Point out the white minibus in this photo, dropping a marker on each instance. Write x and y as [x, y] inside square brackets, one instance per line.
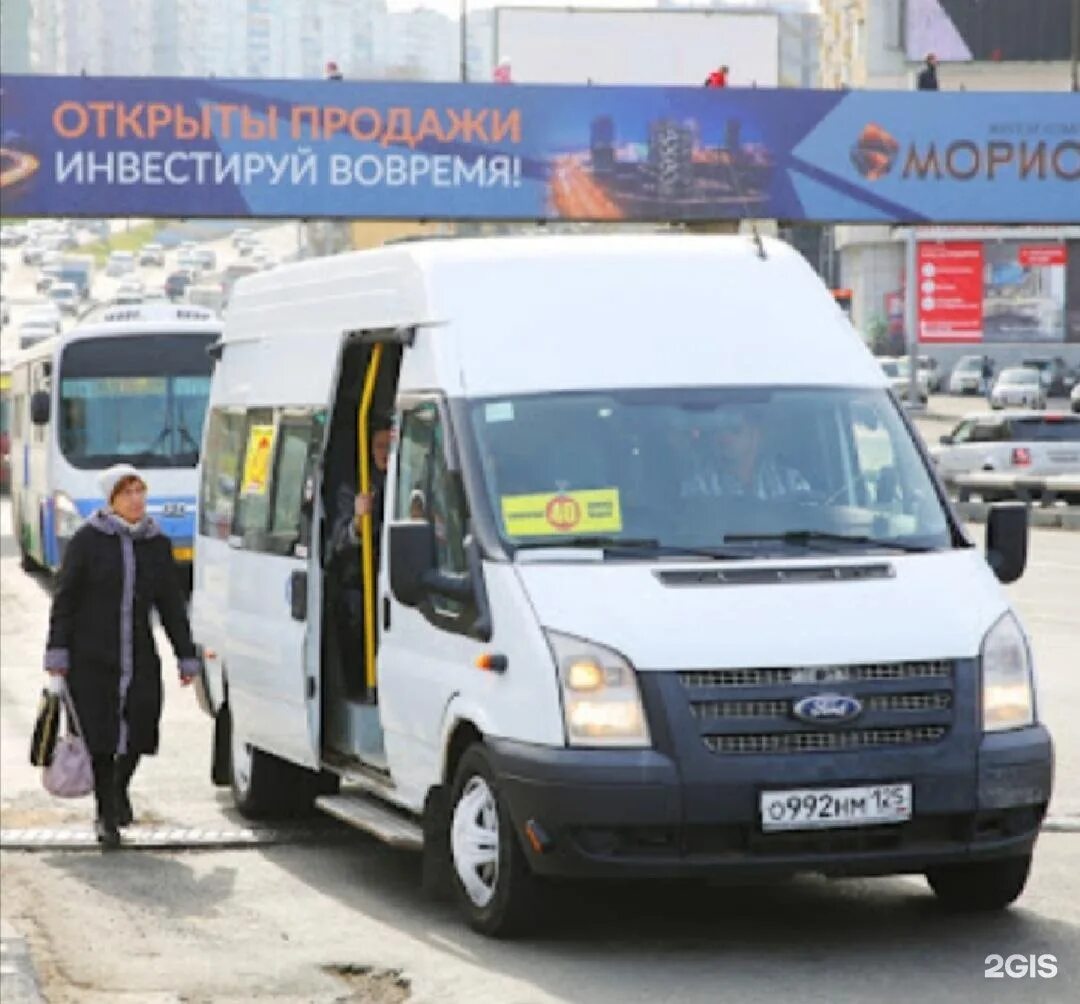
[660, 580]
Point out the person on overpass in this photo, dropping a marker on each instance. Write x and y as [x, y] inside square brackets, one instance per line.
[718, 78]
[927, 78]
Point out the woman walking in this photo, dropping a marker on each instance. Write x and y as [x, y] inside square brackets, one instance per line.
[118, 567]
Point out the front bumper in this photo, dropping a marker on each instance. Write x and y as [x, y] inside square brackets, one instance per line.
[642, 813]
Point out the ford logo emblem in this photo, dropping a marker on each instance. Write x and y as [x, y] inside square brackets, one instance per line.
[827, 709]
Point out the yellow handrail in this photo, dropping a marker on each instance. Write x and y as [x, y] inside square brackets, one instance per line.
[366, 543]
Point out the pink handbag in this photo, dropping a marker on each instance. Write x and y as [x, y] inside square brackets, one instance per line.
[71, 773]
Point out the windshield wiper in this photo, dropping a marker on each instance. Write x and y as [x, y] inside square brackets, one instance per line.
[633, 546]
[186, 434]
[808, 538]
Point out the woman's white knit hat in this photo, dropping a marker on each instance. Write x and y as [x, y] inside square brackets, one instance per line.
[110, 478]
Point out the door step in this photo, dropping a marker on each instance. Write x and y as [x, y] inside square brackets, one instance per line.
[365, 813]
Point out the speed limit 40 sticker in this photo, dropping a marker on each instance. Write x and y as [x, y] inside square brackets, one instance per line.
[546, 514]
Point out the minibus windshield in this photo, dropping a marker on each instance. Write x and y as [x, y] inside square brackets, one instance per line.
[140, 399]
[712, 470]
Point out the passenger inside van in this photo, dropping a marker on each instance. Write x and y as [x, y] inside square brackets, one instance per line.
[345, 559]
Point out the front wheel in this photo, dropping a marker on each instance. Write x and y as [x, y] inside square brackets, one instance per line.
[493, 884]
[984, 886]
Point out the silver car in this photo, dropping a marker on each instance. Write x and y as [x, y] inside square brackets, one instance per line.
[1018, 387]
[1016, 442]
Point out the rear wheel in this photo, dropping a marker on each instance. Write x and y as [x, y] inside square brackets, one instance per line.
[493, 885]
[984, 886]
[265, 786]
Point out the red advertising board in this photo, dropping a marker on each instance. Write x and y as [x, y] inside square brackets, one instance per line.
[1034, 255]
[950, 276]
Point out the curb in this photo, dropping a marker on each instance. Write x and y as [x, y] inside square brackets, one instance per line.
[18, 981]
[1061, 824]
[166, 838]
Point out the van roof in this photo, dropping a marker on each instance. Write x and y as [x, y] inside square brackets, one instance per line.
[533, 313]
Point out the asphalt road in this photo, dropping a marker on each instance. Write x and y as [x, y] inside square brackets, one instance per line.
[336, 916]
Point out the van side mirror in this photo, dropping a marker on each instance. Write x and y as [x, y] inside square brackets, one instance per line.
[1007, 540]
[412, 557]
[946, 440]
[39, 407]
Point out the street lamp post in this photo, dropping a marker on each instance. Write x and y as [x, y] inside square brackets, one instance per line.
[1074, 47]
[464, 41]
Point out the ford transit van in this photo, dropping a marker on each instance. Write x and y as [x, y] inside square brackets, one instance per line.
[659, 580]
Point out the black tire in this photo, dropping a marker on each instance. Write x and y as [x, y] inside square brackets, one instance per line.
[511, 886]
[220, 753]
[265, 786]
[984, 886]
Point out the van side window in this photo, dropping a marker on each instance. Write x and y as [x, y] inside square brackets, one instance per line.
[220, 473]
[253, 502]
[426, 490]
[299, 439]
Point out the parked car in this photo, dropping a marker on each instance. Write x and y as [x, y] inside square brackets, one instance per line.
[31, 253]
[5, 310]
[32, 332]
[46, 313]
[1054, 375]
[49, 275]
[242, 234]
[1027, 441]
[1074, 398]
[66, 296]
[206, 259]
[152, 254]
[129, 292]
[11, 237]
[934, 376]
[177, 282]
[120, 263]
[1018, 387]
[968, 376]
[898, 371]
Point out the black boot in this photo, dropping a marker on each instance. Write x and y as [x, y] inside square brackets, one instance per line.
[105, 826]
[123, 771]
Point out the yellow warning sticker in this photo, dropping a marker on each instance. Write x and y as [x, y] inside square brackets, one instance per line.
[550, 513]
[257, 460]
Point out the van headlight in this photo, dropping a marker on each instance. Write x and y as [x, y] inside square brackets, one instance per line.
[68, 519]
[1008, 690]
[600, 695]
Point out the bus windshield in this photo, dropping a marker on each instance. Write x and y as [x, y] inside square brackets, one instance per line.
[138, 399]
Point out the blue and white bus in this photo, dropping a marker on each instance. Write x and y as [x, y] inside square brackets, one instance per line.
[129, 384]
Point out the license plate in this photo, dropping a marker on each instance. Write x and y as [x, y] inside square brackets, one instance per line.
[816, 808]
[183, 553]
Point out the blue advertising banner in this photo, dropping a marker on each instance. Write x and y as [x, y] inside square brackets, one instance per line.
[175, 147]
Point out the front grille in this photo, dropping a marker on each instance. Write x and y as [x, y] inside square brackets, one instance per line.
[753, 710]
[782, 709]
[941, 669]
[814, 742]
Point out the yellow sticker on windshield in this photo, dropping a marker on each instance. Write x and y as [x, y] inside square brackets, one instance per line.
[257, 460]
[550, 513]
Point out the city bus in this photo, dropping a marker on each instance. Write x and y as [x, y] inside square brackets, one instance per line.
[130, 384]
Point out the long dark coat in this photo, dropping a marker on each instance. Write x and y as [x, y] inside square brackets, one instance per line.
[85, 632]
